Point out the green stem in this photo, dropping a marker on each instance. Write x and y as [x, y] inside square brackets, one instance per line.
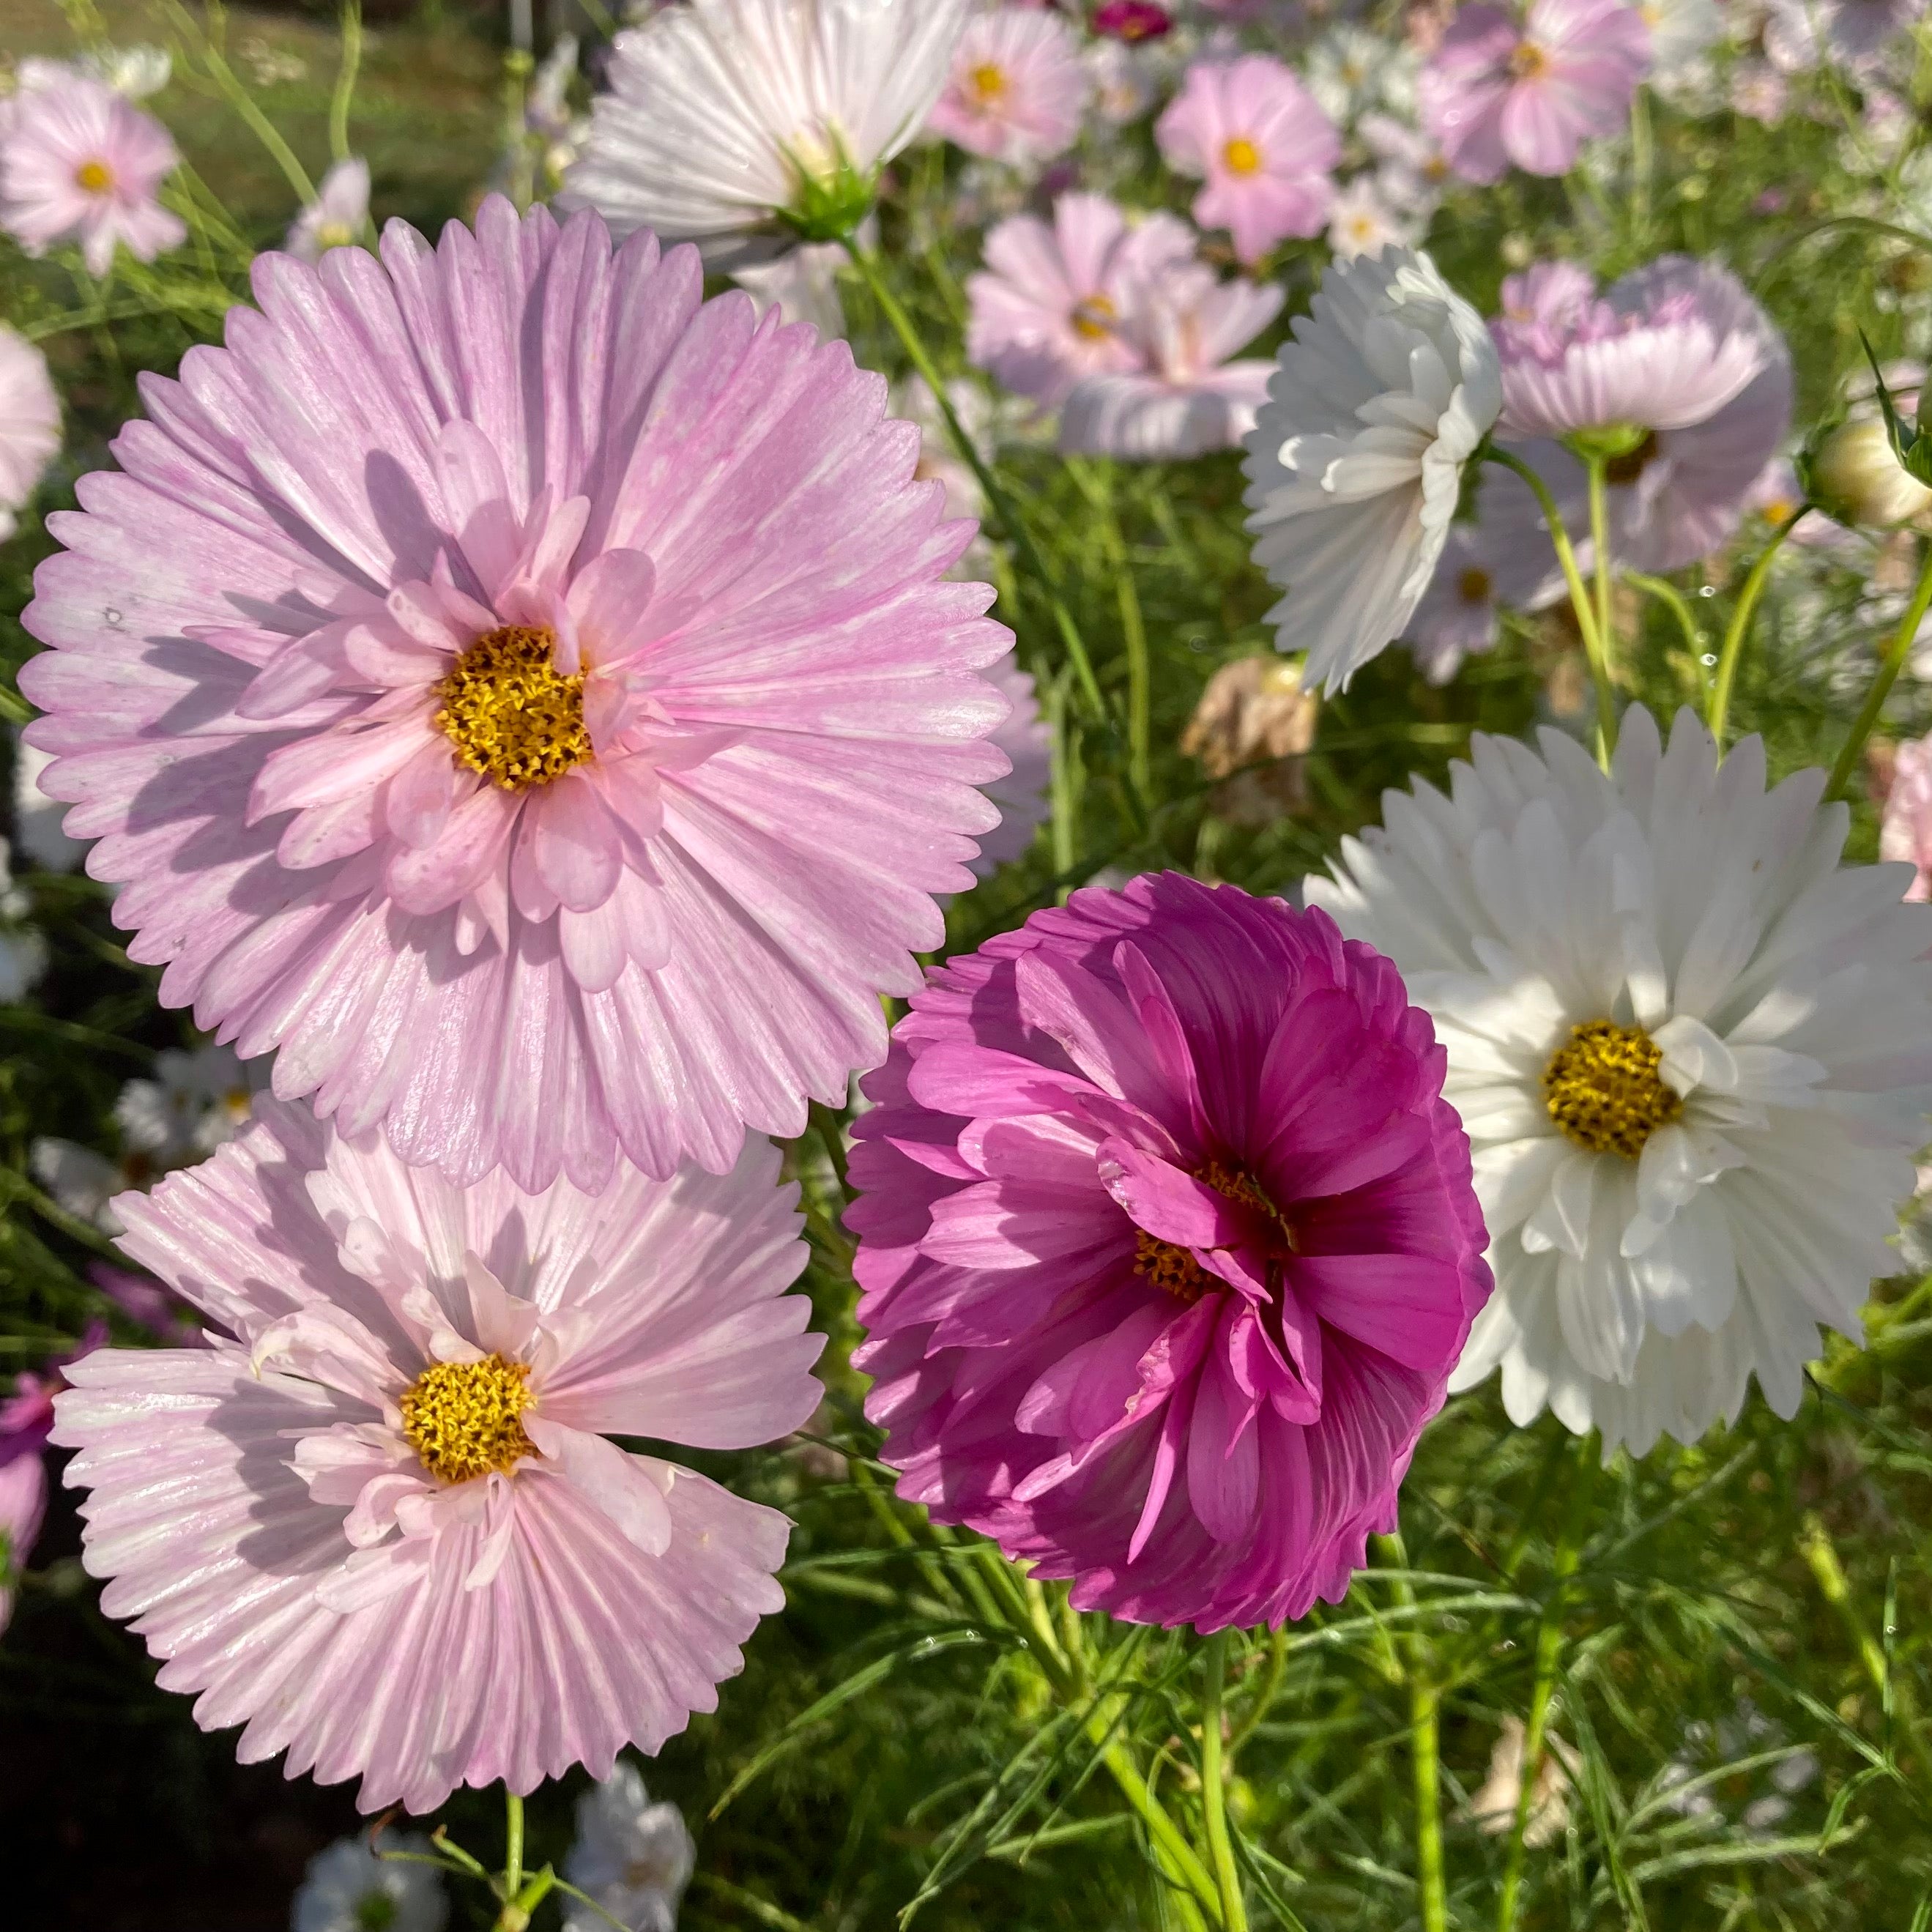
[1214, 1792]
[345, 81]
[238, 98]
[1740, 625]
[1133, 632]
[1599, 543]
[1821, 1555]
[1176, 1854]
[1011, 521]
[513, 1846]
[1265, 1696]
[1425, 1703]
[1888, 674]
[1580, 594]
[1549, 1651]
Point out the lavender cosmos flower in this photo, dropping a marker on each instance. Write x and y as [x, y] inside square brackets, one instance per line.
[1263, 144]
[1169, 1244]
[1675, 372]
[339, 214]
[1017, 88]
[385, 1526]
[30, 424]
[79, 163]
[1499, 93]
[1021, 795]
[525, 694]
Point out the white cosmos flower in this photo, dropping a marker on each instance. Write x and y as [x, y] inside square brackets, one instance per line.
[729, 117]
[633, 1857]
[348, 1889]
[1356, 461]
[1692, 1052]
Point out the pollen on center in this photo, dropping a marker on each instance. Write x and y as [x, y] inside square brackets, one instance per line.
[1603, 1090]
[463, 1418]
[1241, 156]
[511, 714]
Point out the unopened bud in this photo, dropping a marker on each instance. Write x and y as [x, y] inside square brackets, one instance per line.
[1856, 477]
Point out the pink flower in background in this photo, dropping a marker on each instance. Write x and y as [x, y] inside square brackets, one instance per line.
[1017, 89]
[1185, 397]
[1167, 1244]
[1132, 19]
[26, 1420]
[1265, 145]
[1799, 34]
[30, 424]
[1905, 828]
[1021, 794]
[529, 697]
[1758, 92]
[1497, 93]
[338, 216]
[79, 163]
[1048, 308]
[386, 1526]
[1677, 355]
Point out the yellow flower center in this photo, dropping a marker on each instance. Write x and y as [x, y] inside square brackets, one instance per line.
[460, 1418]
[1473, 586]
[1528, 60]
[512, 716]
[1093, 319]
[1602, 1090]
[1175, 1268]
[94, 177]
[1241, 156]
[334, 235]
[988, 82]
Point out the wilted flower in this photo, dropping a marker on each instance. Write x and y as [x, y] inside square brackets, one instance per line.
[743, 123]
[339, 214]
[30, 424]
[1254, 721]
[1492, 1807]
[1265, 145]
[1017, 87]
[78, 164]
[350, 1887]
[633, 1857]
[640, 766]
[1167, 1244]
[1498, 92]
[1355, 465]
[470, 1581]
[1694, 1055]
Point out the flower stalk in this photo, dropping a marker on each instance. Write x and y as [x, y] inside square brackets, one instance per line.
[1889, 666]
[1739, 628]
[1214, 1792]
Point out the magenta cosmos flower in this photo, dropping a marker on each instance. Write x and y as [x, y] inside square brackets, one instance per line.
[79, 163]
[1169, 1245]
[1498, 92]
[1678, 365]
[1017, 88]
[26, 1419]
[1263, 144]
[384, 1526]
[527, 695]
[1051, 304]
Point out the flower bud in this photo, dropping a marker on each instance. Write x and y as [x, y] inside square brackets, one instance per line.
[1856, 477]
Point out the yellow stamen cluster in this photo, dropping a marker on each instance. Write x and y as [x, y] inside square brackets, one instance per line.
[1527, 60]
[988, 82]
[512, 716]
[1093, 319]
[1603, 1089]
[1241, 156]
[461, 1417]
[1175, 1268]
[94, 177]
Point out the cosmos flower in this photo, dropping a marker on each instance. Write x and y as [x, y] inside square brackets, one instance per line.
[136, 71]
[1185, 397]
[1167, 1243]
[1674, 373]
[1123, 81]
[1048, 308]
[745, 124]
[1352, 71]
[30, 424]
[26, 1418]
[1263, 145]
[1693, 1054]
[37, 818]
[1905, 825]
[385, 1526]
[339, 214]
[196, 1102]
[533, 806]
[1412, 171]
[1361, 223]
[1859, 480]
[633, 1857]
[1355, 465]
[1498, 93]
[1801, 35]
[1017, 88]
[1021, 795]
[1132, 20]
[79, 164]
[802, 284]
[350, 1887]
[23, 952]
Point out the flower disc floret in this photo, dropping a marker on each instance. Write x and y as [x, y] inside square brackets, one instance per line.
[513, 716]
[461, 1418]
[1603, 1090]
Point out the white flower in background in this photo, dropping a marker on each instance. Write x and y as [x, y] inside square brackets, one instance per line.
[633, 1857]
[940, 461]
[83, 1182]
[1693, 1053]
[338, 216]
[1356, 462]
[348, 1889]
[1492, 1808]
[1361, 223]
[30, 424]
[727, 117]
[37, 818]
[23, 952]
[1700, 1782]
[196, 1102]
[135, 72]
[1412, 171]
[1123, 80]
[803, 286]
[1858, 480]
[1351, 71]
[1681, 33]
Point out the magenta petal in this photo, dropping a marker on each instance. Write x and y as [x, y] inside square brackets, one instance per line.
[1168, 1203]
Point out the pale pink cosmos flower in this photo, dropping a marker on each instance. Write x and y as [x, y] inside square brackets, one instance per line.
[1185, 397]
[1499, 93]
[1361, 222]
[1021, 795]
[1263, 145]
[78, 163]
[1017, 89]
[339, 214]
[526, 695]
[30, 424]
[385, 1526]
[1049, 306]
[1905, 828]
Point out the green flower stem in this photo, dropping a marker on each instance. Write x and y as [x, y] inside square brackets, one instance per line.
[1194, 1888]
[1548, 1650]
[238, 98]
[1015, 526]
[1600, 542]
[1821, 1555]
[1264, 1695]
[513, 1843]
[1098, 484]
[1888, 674]
[1213, 1791]
[1740, 625]
[1579, 598]
[1415, 1665]
[339, 102]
